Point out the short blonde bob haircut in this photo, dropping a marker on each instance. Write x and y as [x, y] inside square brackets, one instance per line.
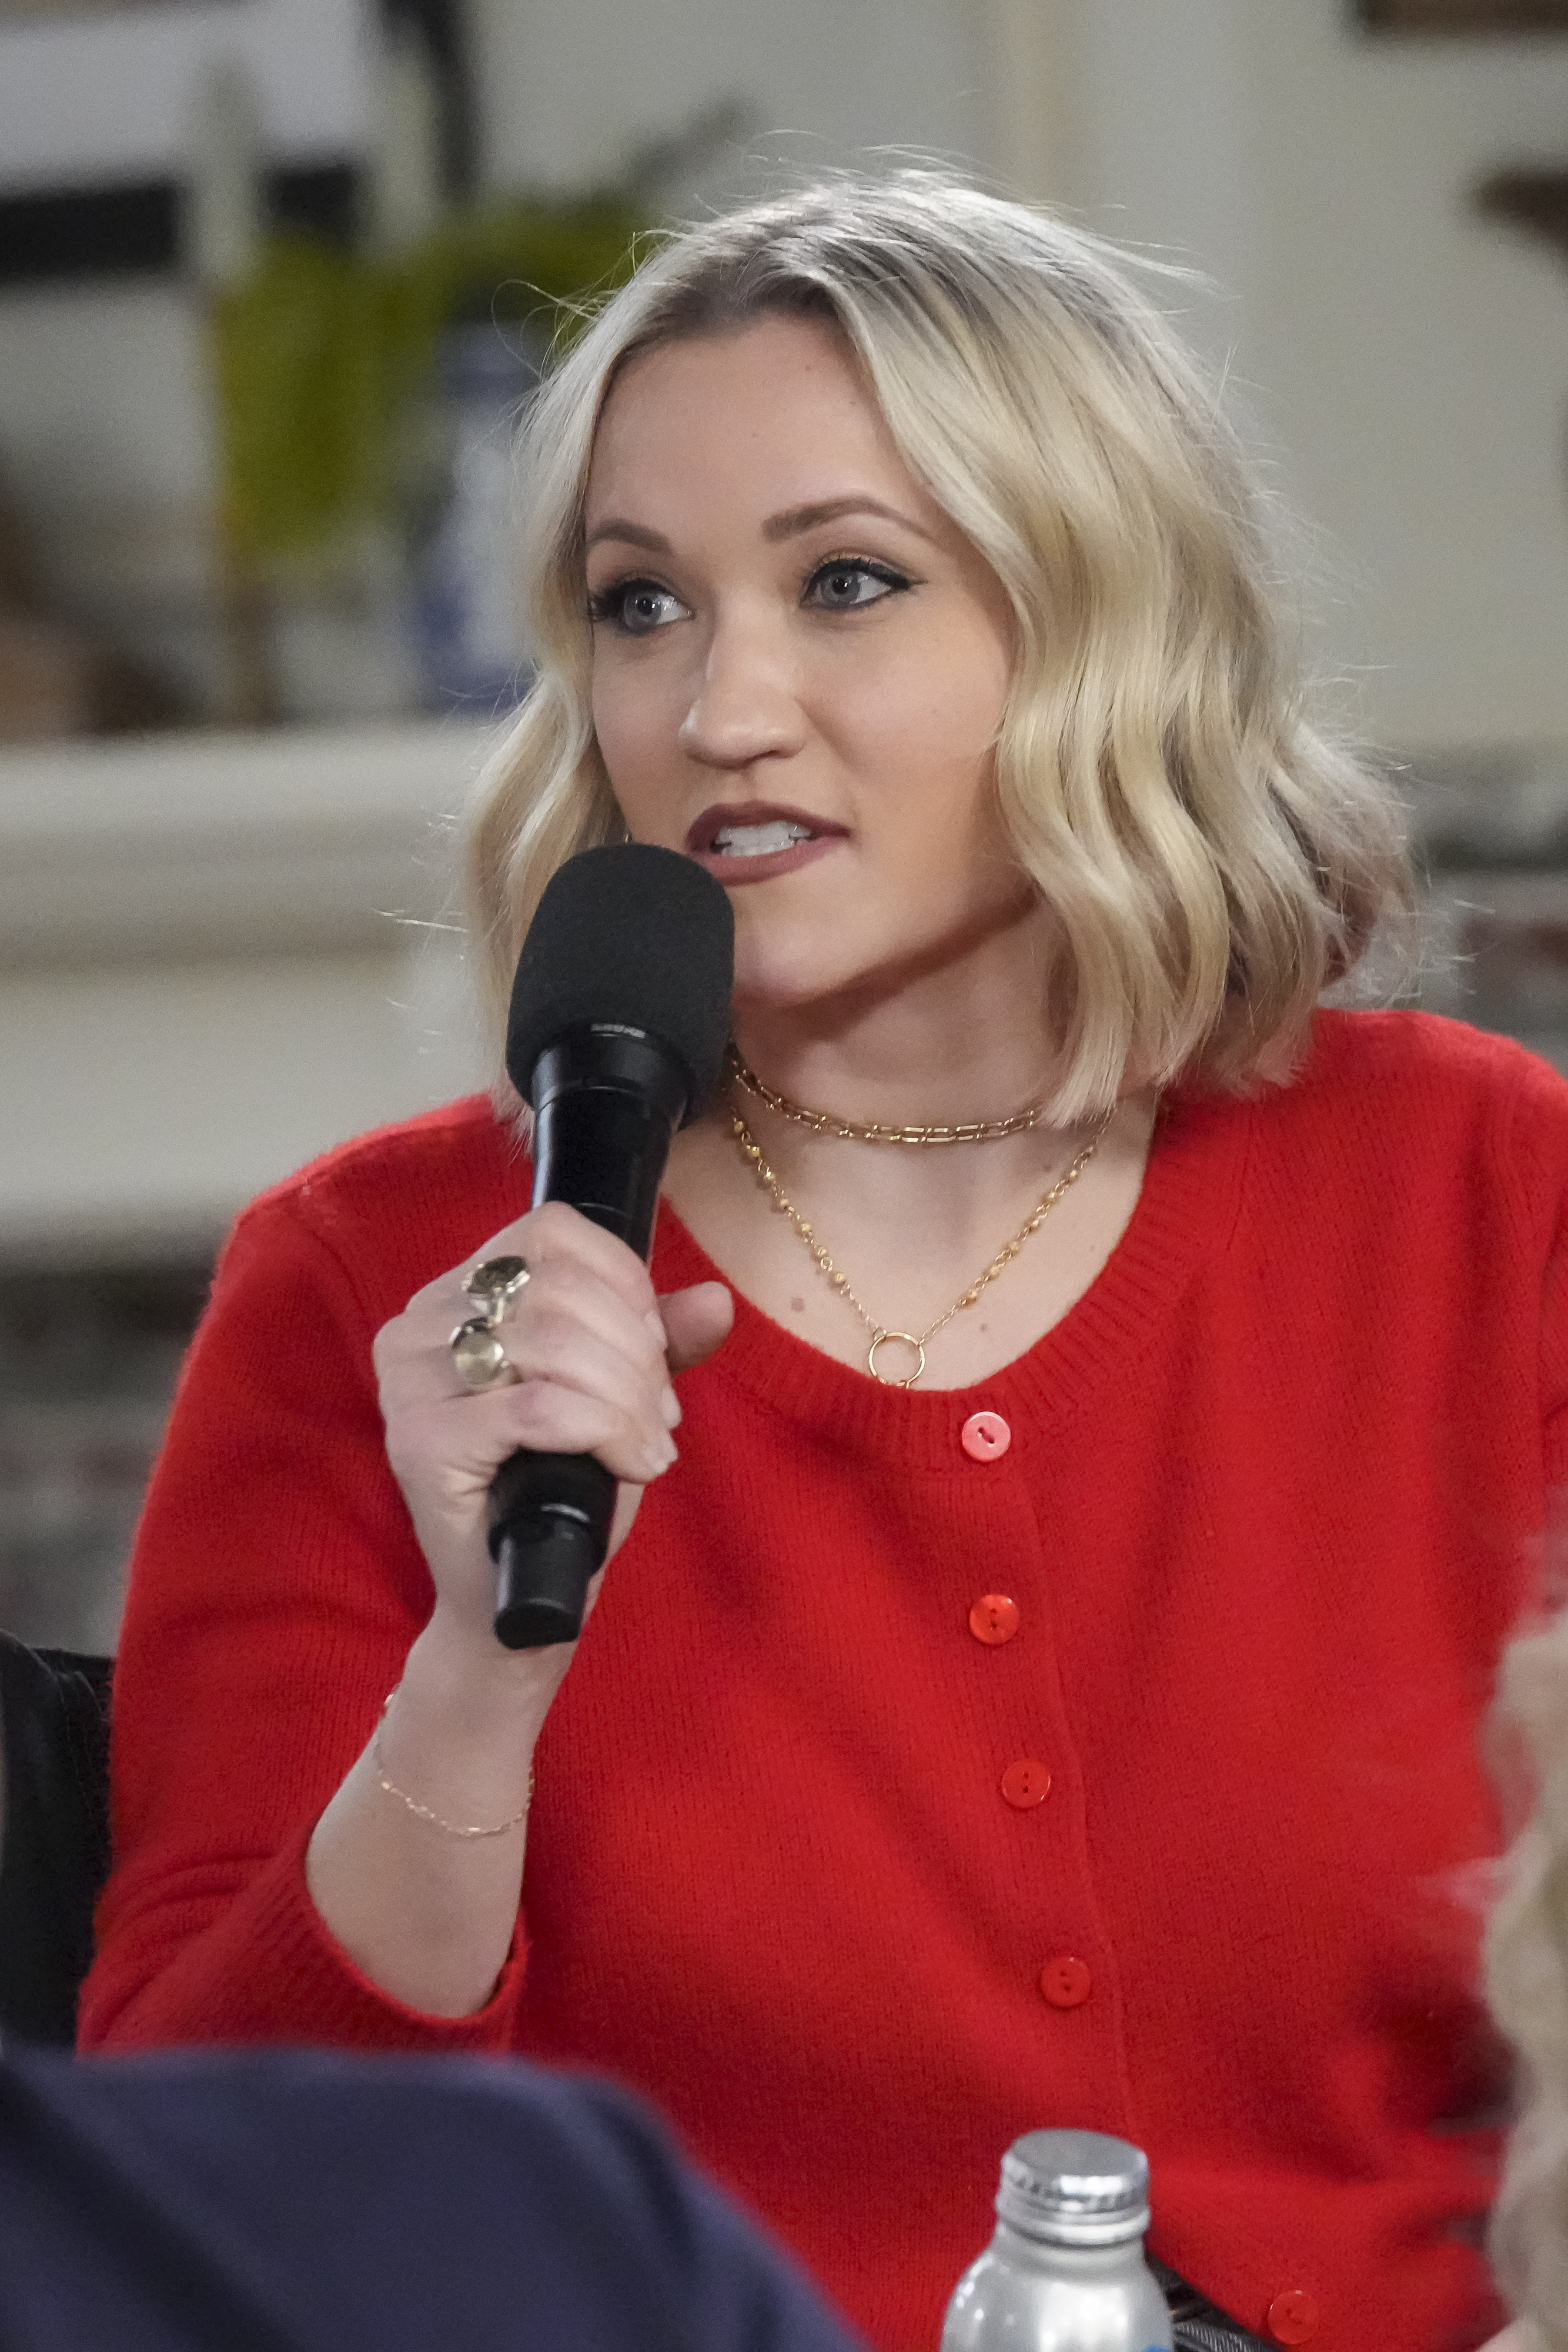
[1211, 861]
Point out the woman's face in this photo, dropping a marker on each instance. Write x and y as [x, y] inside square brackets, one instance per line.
[800, 664]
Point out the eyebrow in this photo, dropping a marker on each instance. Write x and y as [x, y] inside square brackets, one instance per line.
[629, 534]
[795, 520]
[789, 524]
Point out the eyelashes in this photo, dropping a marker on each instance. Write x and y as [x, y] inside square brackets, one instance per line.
[851, 571]
[637, 606]
[632, 606]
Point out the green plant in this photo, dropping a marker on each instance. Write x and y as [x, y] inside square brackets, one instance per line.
[317, 356]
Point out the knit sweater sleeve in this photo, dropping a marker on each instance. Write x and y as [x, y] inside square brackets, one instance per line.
[1534, 1146]
[276, 1587]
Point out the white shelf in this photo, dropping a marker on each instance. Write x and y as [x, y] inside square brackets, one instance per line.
[223, 843]
[219, 955]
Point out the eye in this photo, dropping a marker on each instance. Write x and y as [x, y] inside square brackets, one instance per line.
[636, 607]
[846, 582]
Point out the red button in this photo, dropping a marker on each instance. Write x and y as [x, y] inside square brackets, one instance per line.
[1292, 2316]
[1026, 1783]
[1066, 1983]
[994, 1618]
[985, 1437]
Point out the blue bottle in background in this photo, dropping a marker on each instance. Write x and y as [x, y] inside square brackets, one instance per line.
[466, 621]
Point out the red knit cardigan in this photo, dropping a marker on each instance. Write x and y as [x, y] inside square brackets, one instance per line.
[1268, 1514]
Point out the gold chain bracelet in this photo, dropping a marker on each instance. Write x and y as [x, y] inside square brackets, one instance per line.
[451, 1829]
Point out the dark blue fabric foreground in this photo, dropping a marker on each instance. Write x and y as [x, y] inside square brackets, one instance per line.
[283, 2201]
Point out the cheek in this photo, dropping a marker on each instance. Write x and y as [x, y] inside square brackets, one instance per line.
[611, 712]
[627, 727]
[926, 728]
[942, 694]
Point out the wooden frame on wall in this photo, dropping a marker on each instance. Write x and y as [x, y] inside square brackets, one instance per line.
[29, 12]
[97, 218]
[1463, 16]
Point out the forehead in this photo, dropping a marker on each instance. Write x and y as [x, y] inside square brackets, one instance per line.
[769, 413]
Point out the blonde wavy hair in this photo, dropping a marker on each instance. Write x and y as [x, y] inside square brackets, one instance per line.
[1212, 860]
[1527, 1984]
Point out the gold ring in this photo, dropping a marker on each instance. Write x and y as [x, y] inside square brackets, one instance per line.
[479, 1354]
[493, 1285]
[887, 1380]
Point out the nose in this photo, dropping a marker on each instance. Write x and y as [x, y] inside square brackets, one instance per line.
[745, 708]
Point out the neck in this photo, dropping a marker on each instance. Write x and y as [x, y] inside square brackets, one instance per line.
[911, 1229]
[964, 1043]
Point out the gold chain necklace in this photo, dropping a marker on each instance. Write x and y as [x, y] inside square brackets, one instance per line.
[881, 1335]
[823, 1122]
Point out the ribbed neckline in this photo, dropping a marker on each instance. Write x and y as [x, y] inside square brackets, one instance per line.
[1187, 1212]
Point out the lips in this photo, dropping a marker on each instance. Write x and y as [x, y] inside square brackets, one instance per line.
[754, 828]
[751, 841]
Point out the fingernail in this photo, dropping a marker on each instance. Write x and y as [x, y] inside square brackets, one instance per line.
[670, 1406]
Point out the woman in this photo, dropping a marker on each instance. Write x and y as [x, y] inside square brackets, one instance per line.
[1037, 1682]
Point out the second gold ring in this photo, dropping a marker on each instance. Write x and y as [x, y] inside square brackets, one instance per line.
[477, 1349]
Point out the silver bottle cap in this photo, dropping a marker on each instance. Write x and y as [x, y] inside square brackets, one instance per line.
[1074, 2189]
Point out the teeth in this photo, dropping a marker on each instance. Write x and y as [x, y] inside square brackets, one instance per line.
[760, 840]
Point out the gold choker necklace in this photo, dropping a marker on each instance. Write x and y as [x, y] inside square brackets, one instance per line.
[824, 1122]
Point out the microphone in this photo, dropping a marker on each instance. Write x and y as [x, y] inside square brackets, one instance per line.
[618, 1020]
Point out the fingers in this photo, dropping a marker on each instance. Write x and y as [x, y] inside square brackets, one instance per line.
[552, 1236]
[587, 1347]
[454, 1448]
[592, 1352]
[694, 1322]
[580, 1280]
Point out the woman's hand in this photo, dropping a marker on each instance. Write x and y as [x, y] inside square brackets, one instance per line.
[428, 1914]
[592, 1350]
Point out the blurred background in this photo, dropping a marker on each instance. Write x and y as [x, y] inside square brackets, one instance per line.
[275, 276]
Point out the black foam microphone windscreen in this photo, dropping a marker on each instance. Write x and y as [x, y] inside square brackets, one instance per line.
[630, 934]
[618, 1020]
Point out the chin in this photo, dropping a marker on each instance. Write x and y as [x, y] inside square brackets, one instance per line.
[782, 974]
[781, 965]
[776, 990]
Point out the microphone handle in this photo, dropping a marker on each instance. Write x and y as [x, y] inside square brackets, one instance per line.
[605, 1105]
[549, 1530]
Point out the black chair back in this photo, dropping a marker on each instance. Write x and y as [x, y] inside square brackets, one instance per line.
[54, 1838]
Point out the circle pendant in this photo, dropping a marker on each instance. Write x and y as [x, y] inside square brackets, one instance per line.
[892, 1380]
